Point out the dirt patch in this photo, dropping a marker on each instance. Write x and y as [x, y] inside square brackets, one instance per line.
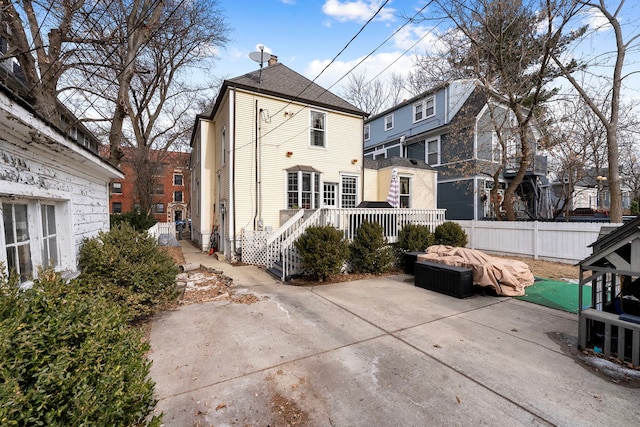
[206, 285]
[287, 412]
[549, 269]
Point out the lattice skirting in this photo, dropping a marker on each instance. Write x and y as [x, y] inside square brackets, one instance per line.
[254, 247]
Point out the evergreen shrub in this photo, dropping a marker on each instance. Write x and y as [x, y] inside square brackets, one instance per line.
[369, 250]
[137, 220]
[129, 266]
[324, 251]
[450, 234]
[69, 358]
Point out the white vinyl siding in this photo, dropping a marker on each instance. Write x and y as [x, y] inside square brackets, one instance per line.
[284, 144]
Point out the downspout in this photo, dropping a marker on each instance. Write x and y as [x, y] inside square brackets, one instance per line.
[255, 215]
[232, 171]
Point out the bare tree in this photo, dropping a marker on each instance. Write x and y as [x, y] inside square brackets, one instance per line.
[507, 46]
[376, 95]
[369, 96]
[161, 98]
[610, 117]
[43, 56]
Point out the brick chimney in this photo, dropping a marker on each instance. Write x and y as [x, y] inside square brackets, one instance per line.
[273, 60]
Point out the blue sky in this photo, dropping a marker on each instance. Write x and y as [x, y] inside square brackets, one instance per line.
[307, 34]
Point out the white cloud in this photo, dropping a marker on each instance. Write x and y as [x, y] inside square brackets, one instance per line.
[596, 20]
[358, 10]
[417, 37]
[261, 46]
[288, 1]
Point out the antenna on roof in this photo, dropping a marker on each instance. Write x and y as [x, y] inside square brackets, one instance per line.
[260, 57]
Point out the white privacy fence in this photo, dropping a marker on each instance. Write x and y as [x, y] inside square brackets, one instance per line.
[566, 242]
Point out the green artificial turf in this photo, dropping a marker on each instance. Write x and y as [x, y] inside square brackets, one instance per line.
[556, 294]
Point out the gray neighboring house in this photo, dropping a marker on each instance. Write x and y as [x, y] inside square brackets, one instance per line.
[449, 127]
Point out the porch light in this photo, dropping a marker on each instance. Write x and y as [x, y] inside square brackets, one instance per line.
[354, 161]
[289, 153]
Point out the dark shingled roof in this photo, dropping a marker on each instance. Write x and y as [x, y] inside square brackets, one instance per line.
[395, 161]
[281, 81]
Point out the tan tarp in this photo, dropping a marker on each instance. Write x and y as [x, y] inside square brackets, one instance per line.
[506, 277]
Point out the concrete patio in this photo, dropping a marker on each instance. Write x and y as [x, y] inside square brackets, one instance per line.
[378, 352]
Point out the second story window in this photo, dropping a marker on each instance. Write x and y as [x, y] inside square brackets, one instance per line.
[158, 189]
[177, 196]
[388, 122]
[177, 180]
[424, 109]
[367, 132]
[318, 128]
[116, 187]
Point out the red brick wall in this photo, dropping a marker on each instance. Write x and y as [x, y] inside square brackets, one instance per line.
[174, 164]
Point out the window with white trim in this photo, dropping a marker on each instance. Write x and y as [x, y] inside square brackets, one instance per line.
[318, 129]
[388, 122]
[303, 190]
[349, 197]
[116, 187]
[177, 180]
[424, 109]
[367, 132]
[49, 235]
[17, 240]
[433, 154]
[405, 192]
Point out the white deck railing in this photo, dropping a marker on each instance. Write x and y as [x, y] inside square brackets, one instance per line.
[280, 246]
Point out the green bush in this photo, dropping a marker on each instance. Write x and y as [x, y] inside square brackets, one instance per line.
[415, 238]
[137, 220]
[369, 250]
[323, 250]
[68, 358]
[129, 266]
[450, 234]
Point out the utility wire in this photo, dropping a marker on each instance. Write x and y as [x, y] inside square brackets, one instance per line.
[408, 21]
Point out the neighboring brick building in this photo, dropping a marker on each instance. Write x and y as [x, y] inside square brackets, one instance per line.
[171, 194]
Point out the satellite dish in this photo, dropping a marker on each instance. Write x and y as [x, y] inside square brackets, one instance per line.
[261, 57]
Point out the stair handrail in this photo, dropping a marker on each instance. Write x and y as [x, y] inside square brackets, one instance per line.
[287, 249]
[275, 239]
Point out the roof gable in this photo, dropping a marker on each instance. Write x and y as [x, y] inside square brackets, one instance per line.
[281, 81]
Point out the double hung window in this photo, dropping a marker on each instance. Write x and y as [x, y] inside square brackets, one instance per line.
[318, 129]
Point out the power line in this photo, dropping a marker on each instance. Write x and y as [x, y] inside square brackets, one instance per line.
[408, 21]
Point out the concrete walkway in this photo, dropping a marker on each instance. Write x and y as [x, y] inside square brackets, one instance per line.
[377, 352]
